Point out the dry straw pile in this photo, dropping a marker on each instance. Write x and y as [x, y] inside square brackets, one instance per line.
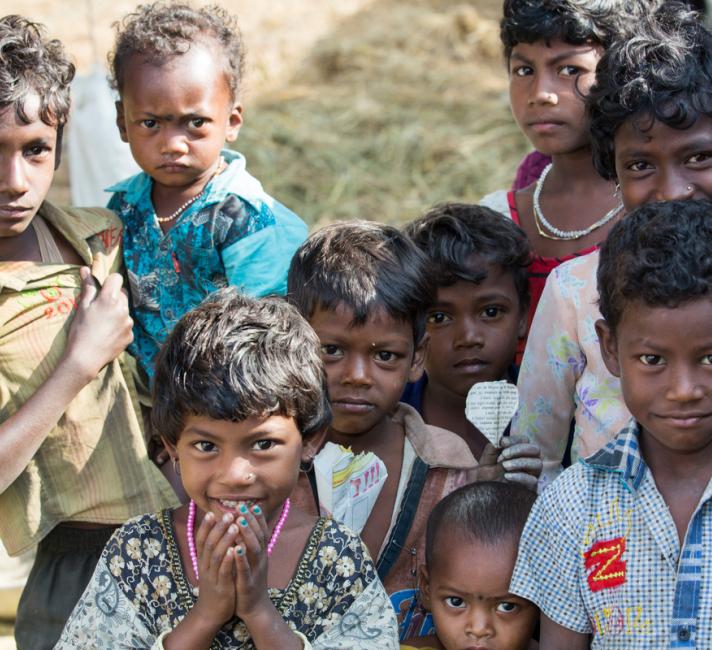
[402, 106]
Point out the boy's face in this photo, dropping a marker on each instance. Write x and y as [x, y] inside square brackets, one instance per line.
[177, 116]
[367, 366]
[664, 360]
[27, 157]
[659, 163]
[474, 330]
[467, 592]
[223, 463]
[546, 82]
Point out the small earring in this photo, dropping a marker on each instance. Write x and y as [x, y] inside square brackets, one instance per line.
[617, 190]
[176, 465]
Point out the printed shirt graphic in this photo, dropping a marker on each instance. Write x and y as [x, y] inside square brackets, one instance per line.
[563, 375]
[600, 555]
[235, 234]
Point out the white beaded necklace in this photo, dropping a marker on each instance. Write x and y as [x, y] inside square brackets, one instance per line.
[557, 233]
[183, 208]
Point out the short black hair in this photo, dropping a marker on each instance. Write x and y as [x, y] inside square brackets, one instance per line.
[572, 21]
[363, 265]
[660, 254]
[452, 234]
[233, 357]
[488, 511]
[30, 64]
[162, 30]
[663, 72]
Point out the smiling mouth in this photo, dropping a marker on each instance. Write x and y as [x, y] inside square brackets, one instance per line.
[231, 505]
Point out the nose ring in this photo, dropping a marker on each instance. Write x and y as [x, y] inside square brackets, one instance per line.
[689, 188]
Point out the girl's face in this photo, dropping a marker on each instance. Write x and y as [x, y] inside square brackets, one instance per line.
[223, 463]
[467, 592]
[659, 163]
[546, 84]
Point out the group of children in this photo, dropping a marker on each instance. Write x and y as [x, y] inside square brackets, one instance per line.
[207, 435]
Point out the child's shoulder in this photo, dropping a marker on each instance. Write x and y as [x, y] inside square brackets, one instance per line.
[435, 446]
[332, 539]
[141, 536]
[81, 222]
[497, 201]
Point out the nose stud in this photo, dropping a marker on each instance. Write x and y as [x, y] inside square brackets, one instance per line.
[249, 477]
[689, 188]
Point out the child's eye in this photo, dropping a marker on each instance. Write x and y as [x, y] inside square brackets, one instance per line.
[699, 158]
[385, 356]
[638, 166]
[205, 446]
[651, 359]
[507, 607]
[454, 601]
[437, 318]
[492, 312]
[522, 71]
[331, 350]
[707, 360]
[149, 124]
[264, 445]
[197, 122]
[37, 150]
[570, 70]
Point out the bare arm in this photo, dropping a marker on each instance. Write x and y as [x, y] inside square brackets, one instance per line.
[556, 637]
[101, 330]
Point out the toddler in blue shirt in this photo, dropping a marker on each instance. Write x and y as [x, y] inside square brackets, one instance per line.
[194, 219]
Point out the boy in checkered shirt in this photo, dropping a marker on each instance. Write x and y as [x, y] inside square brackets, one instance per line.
[619, 548]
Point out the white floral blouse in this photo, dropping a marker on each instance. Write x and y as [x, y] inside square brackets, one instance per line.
[139, 593]
[563, 377]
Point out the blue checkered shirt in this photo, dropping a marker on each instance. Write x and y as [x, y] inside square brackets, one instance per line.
[600, 555]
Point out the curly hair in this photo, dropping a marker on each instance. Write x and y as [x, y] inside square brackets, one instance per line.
[573, 21]
[661, 253]
[363, 265]
[489, 511]
[459, 239]
[162, 30]
[663, 73]
[233, 357]
[32, 65]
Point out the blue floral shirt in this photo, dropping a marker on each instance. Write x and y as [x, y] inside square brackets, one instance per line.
[600, 555]
[235, 233]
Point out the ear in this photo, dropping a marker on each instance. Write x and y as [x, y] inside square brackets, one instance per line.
[121, 120]
[312, 445]
[170, 448]
[424, 587]
[234, 122]
[609, 347]
[416, 366]
[523, 321]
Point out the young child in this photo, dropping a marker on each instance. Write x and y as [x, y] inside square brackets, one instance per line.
[479, 260]
[239, 386]
[365, 289]
[619, 546]
[552, 49]
[194, 220]
[73, 461]
[652, 128]
[470, 551]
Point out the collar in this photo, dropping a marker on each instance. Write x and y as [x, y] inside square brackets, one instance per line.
[622, 456]
[77, 226]
[235, 179]
[435, 446]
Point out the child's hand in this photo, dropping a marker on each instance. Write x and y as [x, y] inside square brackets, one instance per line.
[215, 545]
[251, 564]
[518, 460]
[102, 327]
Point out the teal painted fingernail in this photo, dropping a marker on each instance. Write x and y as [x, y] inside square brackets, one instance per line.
[257, 510]
[242, 521]
[239, 550]
[243, 508]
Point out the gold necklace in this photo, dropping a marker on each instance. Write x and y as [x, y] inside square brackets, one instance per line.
[221, 166]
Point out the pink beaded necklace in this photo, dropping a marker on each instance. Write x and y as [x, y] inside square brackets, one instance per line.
[190, 532]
